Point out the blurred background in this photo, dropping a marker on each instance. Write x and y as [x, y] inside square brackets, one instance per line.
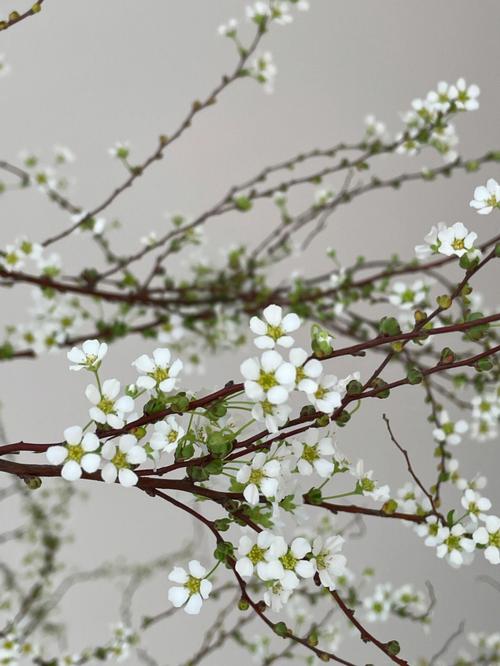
[87, 74]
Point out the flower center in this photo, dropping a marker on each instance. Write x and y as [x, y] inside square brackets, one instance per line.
[453, 542]
[288, 561]
[320, 393]
[367, 485]
[275, 332]
[267, 408]
[119, 460]
[495, 539]
[448, 428]
[267, 380]
[106, 405]
[256, 476]
[256, 554]
[310, 453]
[492, 201]
[407, 296]
[299, 374]
[485, 406]
[193, 585]
[458, 244]
[159, 374]
[172, 436]
[11, 258]
[321, 560]
[75, 452]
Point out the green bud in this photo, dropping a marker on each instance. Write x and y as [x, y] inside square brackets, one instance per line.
[378, 384]
[390, 506]
[447, 356]
[354, 387]
[243, 604]
[393, 648]
[444, 301]
[389, 326]
[242, 203]
[483, 365]
[33, 482]
[414, 376]
[280, 629]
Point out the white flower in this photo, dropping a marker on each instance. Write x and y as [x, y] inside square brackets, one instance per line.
[274, 416]
[483, 430]
[79, 453]
[277, 594]
[5, 67]
[431, 242]
[89, 356]
[120, 150]
[323, 196]
[194, 587]
[440, 99]
[258, 11]
[447, 431]
[264, 71]
[408, 600]
[328, 560]
[489, 536]
[475, 505]
[270, 379]
[464, 97]
[312, 453]
[166, 435]
[454, 544]
[63, 154]
[228, 29]
[12, 259]
[430, 531]
[379, 605]
[158, 371]
[486, 406]
[274, 329]
[256, 556]
[106, 408]
[259, 476]
[327, 396]
[366, 485]
[120, 459]
[306, 371]
[457, 240]
[406, 297]
[374, 128]
[486, 198]
[291, 559]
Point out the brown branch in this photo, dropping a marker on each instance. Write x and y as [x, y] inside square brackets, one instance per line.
[15, 17]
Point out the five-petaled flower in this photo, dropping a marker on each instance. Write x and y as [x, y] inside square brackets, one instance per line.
[80, 453]
[120, 458]
[158, 372]
[192, 589]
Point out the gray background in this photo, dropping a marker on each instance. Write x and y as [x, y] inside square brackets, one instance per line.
[88, 73]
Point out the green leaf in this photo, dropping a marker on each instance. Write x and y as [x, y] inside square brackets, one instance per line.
[223, 551]
[314, 496]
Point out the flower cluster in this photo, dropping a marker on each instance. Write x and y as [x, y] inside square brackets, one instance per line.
[270, 380]
[428, 120]
[456, 240]
[281, 566]
[404, 601]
